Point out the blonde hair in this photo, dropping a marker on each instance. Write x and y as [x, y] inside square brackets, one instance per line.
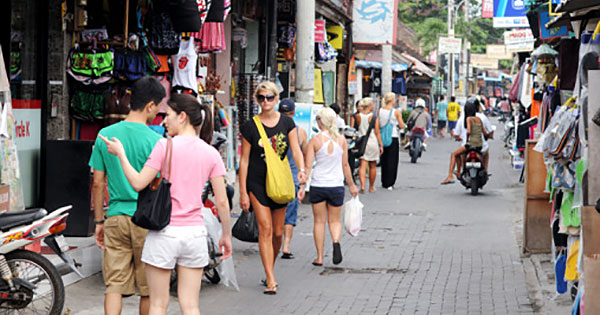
[327, 118]
[389, 97]
[365, 102]
[267, 86]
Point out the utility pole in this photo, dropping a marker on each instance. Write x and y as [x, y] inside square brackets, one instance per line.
[386, 68]
[466, 54]
[305, 50]
[450, 55]
[271, 50]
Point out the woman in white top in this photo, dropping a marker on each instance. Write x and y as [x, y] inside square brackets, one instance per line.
[391, 153]
[374, 145]
[327, 182]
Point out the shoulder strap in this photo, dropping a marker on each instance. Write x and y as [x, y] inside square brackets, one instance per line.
[168, 156]
[390, 117]
[261, 129]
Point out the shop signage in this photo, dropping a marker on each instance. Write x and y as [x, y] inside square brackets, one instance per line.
[497, 52]
[27, 115]
[318, 97]
[319, 31]
[487, 9]
[4, 198]
[352, 84]
[305, 117]
[335, 36]
[374, 21]
[483, 62]
[519, 40]
[547, 33]
[449, 45]
[510, 13]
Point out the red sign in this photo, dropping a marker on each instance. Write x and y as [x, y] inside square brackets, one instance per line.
[487, 9]
[320, 31]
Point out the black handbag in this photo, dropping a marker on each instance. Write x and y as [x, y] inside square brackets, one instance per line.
[154, 202]
[245, 228]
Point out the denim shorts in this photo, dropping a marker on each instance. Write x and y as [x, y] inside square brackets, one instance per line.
[291, 212]
[332, 195]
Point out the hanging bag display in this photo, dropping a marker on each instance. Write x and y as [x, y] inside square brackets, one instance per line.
[387, 130]
[154, 202]
[279, 180]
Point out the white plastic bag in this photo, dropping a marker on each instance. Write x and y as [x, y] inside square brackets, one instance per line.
[353, 215]
[225, 268]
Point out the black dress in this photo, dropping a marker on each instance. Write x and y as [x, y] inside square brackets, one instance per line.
[257, 168]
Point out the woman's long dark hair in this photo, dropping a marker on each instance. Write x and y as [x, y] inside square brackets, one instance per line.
[198, 114]
[471, 108]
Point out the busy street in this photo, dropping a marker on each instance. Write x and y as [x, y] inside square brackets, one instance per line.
[423, 249]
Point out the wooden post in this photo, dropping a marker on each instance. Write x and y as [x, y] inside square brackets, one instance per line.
[126, 30]
[538, 209]
[590, 220]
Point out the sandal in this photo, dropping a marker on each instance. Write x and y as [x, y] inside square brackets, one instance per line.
[446, 182]
[287, 256]
[337, 253]
[271, 290]
[318, 264]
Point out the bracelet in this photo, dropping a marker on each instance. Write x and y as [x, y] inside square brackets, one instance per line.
[99, 221]
[302, 170]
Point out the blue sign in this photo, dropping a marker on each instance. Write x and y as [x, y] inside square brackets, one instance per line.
[510, 13]
[546, 33]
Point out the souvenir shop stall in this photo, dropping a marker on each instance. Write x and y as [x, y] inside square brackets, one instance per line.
[121, 41]
[568, 139]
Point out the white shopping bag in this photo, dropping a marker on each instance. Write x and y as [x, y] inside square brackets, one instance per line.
[353, 215]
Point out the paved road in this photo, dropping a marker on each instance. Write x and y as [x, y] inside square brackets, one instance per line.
[423, 249]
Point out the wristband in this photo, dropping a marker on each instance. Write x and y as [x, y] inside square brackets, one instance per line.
[99, 221]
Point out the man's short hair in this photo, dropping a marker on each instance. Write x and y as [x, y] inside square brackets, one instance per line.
[336, 108]
[452, 99]
[145, 90]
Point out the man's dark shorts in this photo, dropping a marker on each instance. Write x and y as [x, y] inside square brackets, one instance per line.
[441, 124]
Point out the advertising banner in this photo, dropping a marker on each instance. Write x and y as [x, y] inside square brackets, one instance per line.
[374, 21]
[319, 31]
[497, 52]
[482, 61]
[519, 40]
[487, 8]
[449, 45]
[546, 33]
[510, 13]
[305, 117]
[352, 88]
[335, 36]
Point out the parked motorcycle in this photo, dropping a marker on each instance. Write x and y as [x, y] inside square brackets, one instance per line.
[473, 175]
[416, 144]
[509, 133]
[351, 136]
[30, 283]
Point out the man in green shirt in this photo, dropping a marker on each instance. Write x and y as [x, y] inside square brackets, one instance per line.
[441, 109]
[121, 240]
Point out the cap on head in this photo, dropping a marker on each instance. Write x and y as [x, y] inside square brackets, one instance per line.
[420, 103]
[287, 105]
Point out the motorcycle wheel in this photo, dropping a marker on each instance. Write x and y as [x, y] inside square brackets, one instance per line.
[212, 275]
[35, 269]
[474, 186]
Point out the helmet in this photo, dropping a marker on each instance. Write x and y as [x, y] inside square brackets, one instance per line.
[420, 103]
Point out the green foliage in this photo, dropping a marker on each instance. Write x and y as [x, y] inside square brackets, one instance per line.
[428, 31]
[405, 114]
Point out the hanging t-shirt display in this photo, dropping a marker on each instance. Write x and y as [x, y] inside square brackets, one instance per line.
[184, 65]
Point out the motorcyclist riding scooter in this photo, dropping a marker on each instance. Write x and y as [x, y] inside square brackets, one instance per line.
[418, 124]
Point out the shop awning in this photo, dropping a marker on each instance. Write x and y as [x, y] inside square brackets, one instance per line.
[574, 5]
[418, 66]
[367, 64]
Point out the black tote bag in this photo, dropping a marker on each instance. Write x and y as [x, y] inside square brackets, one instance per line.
[245, 228]
[361, 143]
[154, 202]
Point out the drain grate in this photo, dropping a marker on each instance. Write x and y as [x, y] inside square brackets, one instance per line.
[338, 270]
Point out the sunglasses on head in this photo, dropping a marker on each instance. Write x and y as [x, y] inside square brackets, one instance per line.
[260, 98]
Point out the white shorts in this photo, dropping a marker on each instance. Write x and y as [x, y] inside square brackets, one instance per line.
[185, 246]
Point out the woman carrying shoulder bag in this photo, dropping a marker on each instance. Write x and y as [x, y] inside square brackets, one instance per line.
[270, 215]
[183, 242]
[374, 146]
[391, 154]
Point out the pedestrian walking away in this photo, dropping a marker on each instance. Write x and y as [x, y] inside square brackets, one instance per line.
[270, 216]
[182, 244]
[391, 154]
[441, 109]
[329, 150]
[453, 114]
[122, 241]
[288, 107]
[374, 146]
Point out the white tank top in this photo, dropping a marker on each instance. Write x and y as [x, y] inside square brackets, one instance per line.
[383, 119]
[328, 170]
[184, 64]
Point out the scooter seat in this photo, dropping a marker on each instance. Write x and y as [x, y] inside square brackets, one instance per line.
[10, 219]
